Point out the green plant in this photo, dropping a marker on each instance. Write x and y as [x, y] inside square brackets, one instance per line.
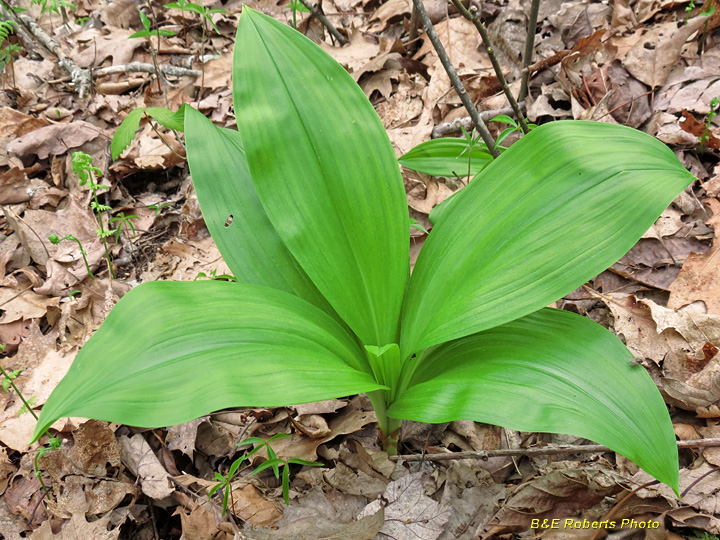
[325, 305]
[83, 167]
[7, 52]
[296, 6]
[130, 124]
[704, 138]
[514, 127]
[55, 239]
[224, 482]
[156, 207]
[123, 221]
[7, 379]
[146, 33]
[204, 13]
[215, 275]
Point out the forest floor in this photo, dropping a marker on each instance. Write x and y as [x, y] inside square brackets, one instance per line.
[649, 64]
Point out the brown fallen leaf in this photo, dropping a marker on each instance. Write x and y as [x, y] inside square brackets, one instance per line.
[691, 125]
[77, 528]
[249, 505]
[654, 51]
[142, 461]
[409, 513]
[182, 437]
[56, 139]
[567, 488]
[699, 278]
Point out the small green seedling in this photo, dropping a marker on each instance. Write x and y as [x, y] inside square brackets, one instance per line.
[123, 222]
[200, 10]
[325, 305]
[514, 127]
[156, 207]
[147, 29]
[272, 461]
[83, 167]
[55, 239]
[704, 138]
[285, 464]
[215, 276]
[130, 124]
[296, 6]
[8, 381]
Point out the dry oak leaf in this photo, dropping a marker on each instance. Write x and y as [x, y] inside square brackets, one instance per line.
[690, 124]
[56, 139]
[77, 528]
[654, 52]
[699, 278]
[409, 513]
[250, 506]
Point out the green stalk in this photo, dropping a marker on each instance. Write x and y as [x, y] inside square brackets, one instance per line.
[386, 365]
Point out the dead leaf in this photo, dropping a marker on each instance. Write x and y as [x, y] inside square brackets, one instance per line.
[564, 489]
[182, 437]
[56, 139]
[44, 366]
[690, 124]
[409, 513]
[142, 461]
[249, 505]
[699, 278]
[78, 528]
[96, 45]
[656, 50]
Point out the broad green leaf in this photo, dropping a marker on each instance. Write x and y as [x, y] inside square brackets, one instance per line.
[166, 117]
[173, 351]
[325, 172]
[551, 371]
[126, 132]
[233, 213]
[446, 157]
[554, 210]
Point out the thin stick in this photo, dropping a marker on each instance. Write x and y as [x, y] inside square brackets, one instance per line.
[545, 451]
[323, 19]
[459, 88]
[451, 128]
[529, 47]
[473, 18]
[414, 24]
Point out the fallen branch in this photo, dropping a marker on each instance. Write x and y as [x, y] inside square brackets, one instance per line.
[544, 451]
[323, 19]
[456, 82]
[451, 128]
[140, 67]
[79, 77]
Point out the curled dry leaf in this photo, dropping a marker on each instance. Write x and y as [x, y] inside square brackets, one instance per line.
[140, 459]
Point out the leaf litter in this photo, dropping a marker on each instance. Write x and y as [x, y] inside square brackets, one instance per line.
[636, 62]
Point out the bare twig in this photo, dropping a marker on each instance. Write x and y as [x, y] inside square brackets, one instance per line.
[529, 47]
[414, 24]
[140, 67]
[80, 78]
[475, 19]
[323, 19]
[451, 128]
[544, 451]
[459, 88]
